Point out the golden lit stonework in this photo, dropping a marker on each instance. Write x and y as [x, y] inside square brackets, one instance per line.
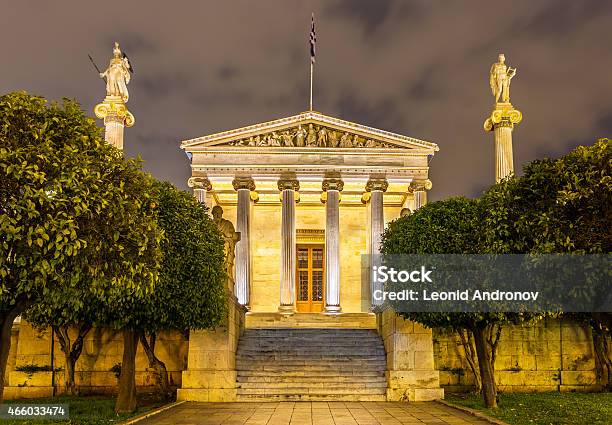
[113, 107]
[503, 114]
[112, 110]
[503, 118]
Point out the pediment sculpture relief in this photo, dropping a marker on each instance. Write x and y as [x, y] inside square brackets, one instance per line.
[311, 135]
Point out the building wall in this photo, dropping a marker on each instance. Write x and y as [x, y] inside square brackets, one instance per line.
[103, 349]
[266, 247]
[547, 356]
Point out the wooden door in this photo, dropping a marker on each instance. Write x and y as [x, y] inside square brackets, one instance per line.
[310, 281]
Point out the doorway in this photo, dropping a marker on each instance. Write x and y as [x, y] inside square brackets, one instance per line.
[310, 280]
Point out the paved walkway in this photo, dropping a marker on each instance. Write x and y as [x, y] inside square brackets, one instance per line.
[312, 413]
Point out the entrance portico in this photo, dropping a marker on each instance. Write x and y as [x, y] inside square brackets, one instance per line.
[314, 173]
[310, 195]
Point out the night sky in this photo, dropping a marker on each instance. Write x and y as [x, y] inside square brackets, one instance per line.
[419, 68]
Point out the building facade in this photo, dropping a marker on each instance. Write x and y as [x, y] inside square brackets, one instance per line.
[310, 195]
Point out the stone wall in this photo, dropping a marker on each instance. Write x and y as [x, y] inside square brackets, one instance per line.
[211, 367]
[103, 349]
[411, 375]
[550, 355]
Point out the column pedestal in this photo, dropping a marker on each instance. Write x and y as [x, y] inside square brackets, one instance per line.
[288, 252]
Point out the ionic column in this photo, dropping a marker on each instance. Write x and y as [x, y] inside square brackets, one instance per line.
[502, 121]
[419, 189]
[287, 188]
[112, 109]
[116, 116]
[332, 188]
[504, 161]
[244, 186]
[200, 186]
[376, 187]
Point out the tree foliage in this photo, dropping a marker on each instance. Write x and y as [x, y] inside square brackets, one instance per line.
[560, 205]
[454, 226]
[191, 292]
[75, 216]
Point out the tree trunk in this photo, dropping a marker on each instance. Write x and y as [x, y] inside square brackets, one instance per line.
[489, 389]
[470, 355]
[126, 399]
[603, 363]
[72, 352]
[6, 325]
[161, 373]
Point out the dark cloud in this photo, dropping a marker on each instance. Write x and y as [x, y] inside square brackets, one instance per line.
[370, 15]
[417, 67]
[563, 18]
[228, 72]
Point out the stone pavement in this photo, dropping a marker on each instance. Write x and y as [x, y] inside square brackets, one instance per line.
[312, 413]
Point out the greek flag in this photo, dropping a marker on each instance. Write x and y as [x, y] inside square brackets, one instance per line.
[313, 41]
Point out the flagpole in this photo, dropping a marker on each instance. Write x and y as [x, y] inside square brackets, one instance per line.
[311, 74]
[313, 42]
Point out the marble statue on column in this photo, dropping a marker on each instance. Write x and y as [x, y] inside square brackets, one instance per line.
[499, 79]
[230, 237]
[113, 110]
[503, 118]
[117, 75]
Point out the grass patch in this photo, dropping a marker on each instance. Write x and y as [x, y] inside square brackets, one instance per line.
[544, 408]
[94, 410]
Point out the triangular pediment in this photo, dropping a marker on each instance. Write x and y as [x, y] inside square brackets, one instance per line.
[309, 130]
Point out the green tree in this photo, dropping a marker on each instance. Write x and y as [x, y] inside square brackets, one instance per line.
[560, 205]
[454, 226]
[75, 216]
[191, 292]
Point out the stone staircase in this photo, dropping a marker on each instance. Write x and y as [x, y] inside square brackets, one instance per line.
[285, 364]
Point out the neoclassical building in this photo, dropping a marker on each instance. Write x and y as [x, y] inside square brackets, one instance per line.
[309, 194]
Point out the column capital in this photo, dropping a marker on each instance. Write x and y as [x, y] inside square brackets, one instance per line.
[199, 183]
[113, 108]
[332, 184]
[420, 185]
[377, 184]
[292, 184]
[243, 183]
[503, 115]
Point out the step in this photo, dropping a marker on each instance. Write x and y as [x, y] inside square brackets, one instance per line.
[276, 364]
[309, 378]
[310, 364]
[310, 331]
[308, 390]
[279, 373]
[310, 320]
[285, 355]
[330, 350]
[333, 387]
[310, 397]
